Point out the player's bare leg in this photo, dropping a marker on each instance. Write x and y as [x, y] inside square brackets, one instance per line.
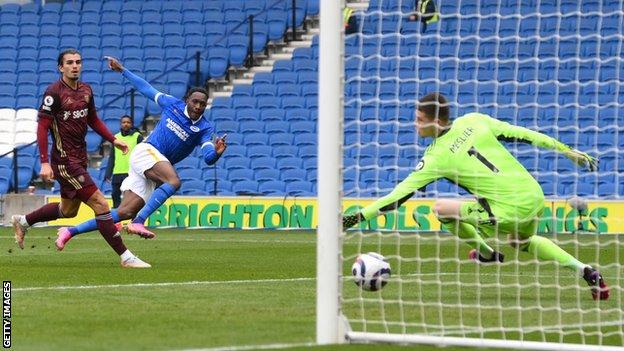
[161, 173]
[129, 207]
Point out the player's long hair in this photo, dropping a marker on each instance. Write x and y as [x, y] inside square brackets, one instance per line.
[195, 90]
[61, 56]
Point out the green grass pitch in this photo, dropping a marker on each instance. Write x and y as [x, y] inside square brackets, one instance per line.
[243, 290]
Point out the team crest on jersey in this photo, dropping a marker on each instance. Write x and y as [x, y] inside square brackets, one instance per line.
[420, 165]
[195, 129]
[81, 178]
[87, 98]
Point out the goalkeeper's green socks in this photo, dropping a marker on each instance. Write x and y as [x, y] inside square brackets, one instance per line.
[468, 233]
[546, 250]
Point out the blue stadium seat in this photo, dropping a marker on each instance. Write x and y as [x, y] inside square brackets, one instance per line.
[247, 115]
[256, 139]
[238, 45]
[237, 162]
[269, 103]
[285, 163]
[218, 59]
[224, 187]
[297, 114]
[300, 188]
[260, 36]
[238, 175]
[265, 175]
[276, 127]
[272, 114]
[245, 90]
[251, 127]
[264, 162]
[283, 66]
[277, 23]
[288, 90]
[264, 89]
[270, 187]
[280, 139]
[263, 78]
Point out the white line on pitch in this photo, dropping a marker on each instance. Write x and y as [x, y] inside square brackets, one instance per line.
[255, 347]
[242, 281]
[146, 285]
[160, 238]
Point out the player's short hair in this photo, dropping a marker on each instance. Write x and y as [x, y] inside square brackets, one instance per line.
[61, 56]
[195, 90]
[434, 105]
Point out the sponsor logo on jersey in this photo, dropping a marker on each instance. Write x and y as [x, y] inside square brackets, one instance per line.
[75, 114]
[177, 130]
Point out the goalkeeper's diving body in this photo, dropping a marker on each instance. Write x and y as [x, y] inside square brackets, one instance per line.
[509, 200]
[152, 178]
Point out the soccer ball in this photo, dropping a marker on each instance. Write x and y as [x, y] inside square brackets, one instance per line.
[371, 271]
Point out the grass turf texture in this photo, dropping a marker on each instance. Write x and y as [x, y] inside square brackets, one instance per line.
[226, 288]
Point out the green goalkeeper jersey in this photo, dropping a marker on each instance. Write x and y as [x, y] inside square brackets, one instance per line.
[471, 155]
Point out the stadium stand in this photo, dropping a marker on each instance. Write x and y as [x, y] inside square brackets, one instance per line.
[150, 37]
[561, 85]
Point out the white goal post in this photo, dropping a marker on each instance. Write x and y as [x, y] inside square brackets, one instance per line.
[328, 260]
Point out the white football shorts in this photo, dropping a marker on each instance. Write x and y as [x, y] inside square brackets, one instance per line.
[143, 157]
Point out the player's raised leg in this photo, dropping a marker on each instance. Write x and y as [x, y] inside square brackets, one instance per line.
[128, 208]
[162, 172]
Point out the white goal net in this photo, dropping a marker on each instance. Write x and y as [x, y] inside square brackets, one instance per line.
[555, 67]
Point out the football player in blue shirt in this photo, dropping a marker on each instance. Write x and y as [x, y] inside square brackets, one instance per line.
[181, 128]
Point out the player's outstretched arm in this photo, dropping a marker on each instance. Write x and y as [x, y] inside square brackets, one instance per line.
[390, 202]
[427, 171]
[508, 132]
[139, 83]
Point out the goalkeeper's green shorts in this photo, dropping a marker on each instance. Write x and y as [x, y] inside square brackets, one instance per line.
[474, 214]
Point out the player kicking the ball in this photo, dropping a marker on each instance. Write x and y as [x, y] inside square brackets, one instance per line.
[152, 179]
[509, 200]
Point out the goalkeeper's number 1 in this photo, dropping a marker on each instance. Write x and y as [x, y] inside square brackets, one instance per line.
[473, 152]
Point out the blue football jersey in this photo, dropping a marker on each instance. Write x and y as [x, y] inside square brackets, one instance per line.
[176, 135]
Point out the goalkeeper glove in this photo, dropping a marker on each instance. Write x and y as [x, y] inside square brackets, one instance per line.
[349, 221]
[582, 159]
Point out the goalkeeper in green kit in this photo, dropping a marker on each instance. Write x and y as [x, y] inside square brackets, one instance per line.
[509, 200]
